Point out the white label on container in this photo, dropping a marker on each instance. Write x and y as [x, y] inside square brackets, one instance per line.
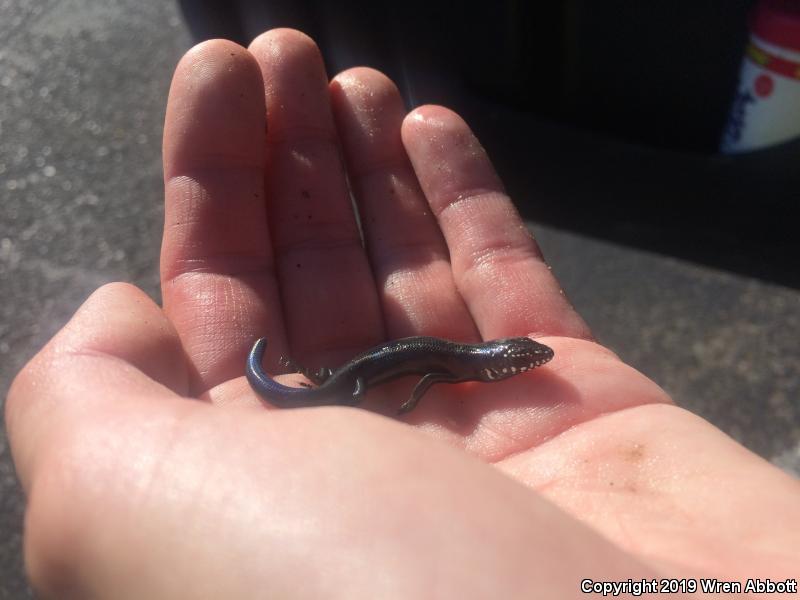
[766, 110]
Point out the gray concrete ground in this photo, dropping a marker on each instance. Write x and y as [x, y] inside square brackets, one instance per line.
[84, 86]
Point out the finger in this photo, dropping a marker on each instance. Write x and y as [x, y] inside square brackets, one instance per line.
[326, 285]
[117, 347]
[217, 274]
[497, 265]
[406, 249]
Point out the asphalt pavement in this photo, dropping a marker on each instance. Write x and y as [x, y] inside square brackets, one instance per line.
[84, 88]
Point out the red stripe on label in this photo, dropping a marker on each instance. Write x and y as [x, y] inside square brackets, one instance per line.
[773, 63]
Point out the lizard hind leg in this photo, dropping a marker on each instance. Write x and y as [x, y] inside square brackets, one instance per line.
[318, 377]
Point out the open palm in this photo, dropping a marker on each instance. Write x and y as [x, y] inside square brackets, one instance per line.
[582, 469]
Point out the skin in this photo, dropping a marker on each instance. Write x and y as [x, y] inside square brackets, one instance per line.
[582, 468]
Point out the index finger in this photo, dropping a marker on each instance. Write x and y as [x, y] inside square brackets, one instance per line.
[497, 265]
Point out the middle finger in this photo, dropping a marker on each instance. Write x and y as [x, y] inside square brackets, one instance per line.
[327, 291]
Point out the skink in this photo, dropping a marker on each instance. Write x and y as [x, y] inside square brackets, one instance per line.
[437, 360]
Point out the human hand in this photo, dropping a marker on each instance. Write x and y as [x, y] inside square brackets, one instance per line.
[138, 490]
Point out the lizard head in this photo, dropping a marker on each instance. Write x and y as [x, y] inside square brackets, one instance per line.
[510, 356]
